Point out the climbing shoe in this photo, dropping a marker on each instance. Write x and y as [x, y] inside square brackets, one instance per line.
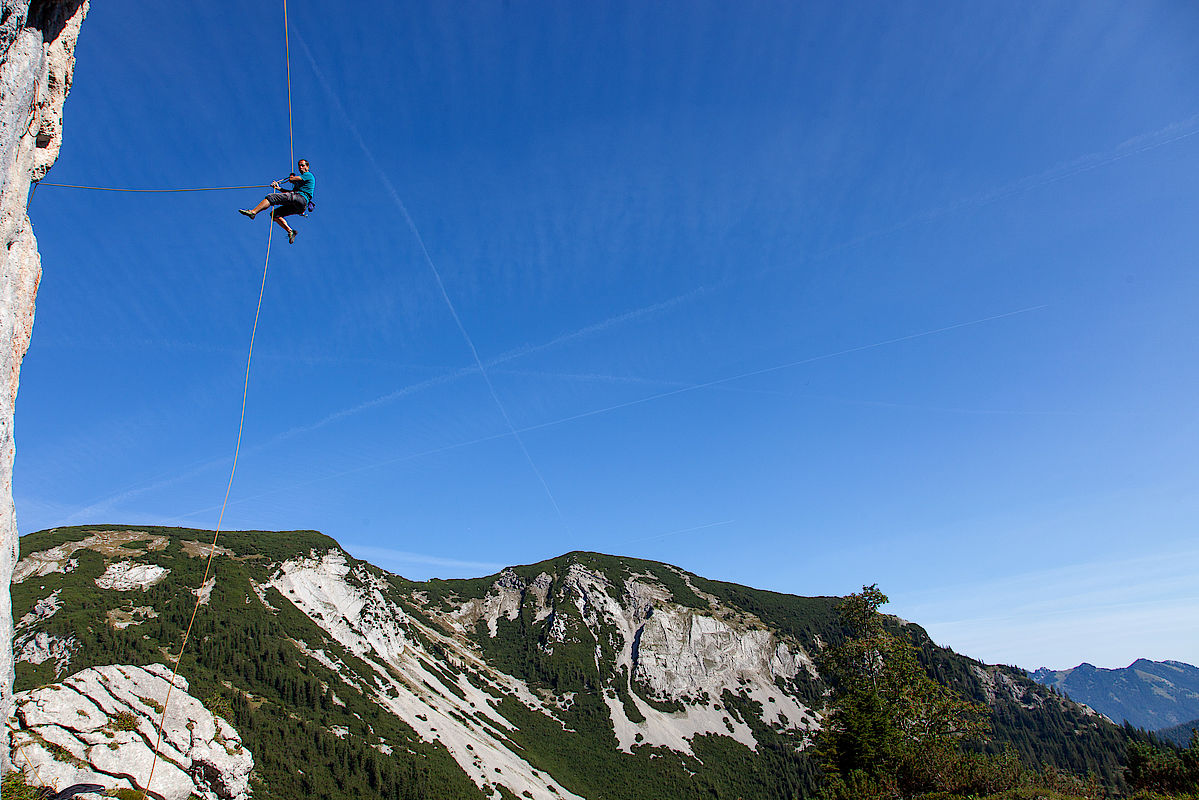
[291, 237]
[247, 212]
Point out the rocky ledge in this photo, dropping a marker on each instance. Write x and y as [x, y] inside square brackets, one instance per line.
[101, 724]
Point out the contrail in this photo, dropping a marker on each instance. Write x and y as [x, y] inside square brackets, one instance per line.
[1174, 132]
[659, 396]
[395, 196]
[103, 505]
[1167, 135]
[403, 391]
[982, 412]
[415, 388]
[503, 358]
[682, 531]
[363, 468]
[778, 367]
[591, 377]
[604, 325]
[1128, 148]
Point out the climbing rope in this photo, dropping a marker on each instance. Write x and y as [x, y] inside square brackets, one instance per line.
[240, 424]
[291, 143]
[220, 519]
[121, 189]
[38, 184]
[37, 775]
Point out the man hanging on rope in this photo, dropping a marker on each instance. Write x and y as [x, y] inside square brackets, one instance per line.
[294, 202]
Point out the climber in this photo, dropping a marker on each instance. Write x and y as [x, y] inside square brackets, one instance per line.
[297, 201]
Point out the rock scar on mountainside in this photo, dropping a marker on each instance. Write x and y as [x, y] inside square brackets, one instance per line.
[194, 549]
[125, 576]
[110, 544]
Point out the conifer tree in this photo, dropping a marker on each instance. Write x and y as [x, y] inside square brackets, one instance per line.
[892, 731]
[1165, 769]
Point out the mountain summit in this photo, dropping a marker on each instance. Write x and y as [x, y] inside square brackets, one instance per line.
[586, 675]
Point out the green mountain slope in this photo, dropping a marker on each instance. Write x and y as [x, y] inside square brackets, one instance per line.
[1179, 734]
[585, 675]
[242, 660]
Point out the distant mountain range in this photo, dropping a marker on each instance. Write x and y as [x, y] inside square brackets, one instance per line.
[1148, 694]
[583, 676]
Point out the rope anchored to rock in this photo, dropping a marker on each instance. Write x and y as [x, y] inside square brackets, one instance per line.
[122, 189]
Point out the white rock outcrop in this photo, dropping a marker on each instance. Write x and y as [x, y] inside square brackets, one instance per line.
[682, 656]
[38, 647]
[100, 726]
[126, 576]
[37, 46]
[42, 610]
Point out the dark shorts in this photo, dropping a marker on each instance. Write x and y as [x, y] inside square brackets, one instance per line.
[287, 203]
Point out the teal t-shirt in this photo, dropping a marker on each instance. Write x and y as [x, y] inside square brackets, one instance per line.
[306, 185]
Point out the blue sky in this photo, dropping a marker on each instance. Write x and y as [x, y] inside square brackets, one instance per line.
[801, 296]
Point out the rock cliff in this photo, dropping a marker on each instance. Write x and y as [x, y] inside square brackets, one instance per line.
[100, 726]
[37, 45]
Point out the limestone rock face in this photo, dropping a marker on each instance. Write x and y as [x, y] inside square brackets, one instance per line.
[681, 654]
[37, 45]
[127, 576]
[101, 724]
[659, 651]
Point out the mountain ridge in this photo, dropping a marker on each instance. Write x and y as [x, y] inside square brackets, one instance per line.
[583, 675]
[1147, 694]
